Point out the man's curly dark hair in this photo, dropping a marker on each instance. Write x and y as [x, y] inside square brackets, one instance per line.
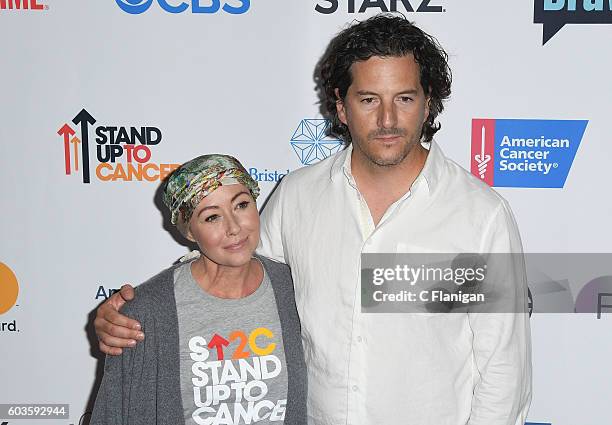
[383, 35]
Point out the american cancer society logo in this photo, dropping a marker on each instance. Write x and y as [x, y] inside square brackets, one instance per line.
[525, 153]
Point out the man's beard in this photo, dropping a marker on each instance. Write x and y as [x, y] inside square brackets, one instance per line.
[387, 161]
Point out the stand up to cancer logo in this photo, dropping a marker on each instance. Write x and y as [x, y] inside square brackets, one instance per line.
[122, 153]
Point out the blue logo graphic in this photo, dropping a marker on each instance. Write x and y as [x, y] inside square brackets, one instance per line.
[136, 7]
[267, 175]
[311, 141]
[525, 153]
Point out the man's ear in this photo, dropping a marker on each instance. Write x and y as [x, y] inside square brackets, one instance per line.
[427, 100]
[340, 109]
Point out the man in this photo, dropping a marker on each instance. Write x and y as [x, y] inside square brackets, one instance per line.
[392, 190]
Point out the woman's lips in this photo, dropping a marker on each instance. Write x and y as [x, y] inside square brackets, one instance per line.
[237, 246]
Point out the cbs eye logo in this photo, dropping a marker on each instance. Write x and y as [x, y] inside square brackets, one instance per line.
[9, 288]
[136, 7]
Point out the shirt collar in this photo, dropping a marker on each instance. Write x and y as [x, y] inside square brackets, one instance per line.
[431, 172]
[342, 164]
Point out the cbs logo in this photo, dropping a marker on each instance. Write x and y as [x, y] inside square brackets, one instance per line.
[135, 7]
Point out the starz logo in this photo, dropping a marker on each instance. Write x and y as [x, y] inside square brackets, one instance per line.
[312, 142]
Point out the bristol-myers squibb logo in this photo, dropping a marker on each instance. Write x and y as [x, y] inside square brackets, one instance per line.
[311, 141]
[554, 14]
[525, 153]
[233, 7]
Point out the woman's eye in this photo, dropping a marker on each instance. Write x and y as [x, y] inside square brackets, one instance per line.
[211, 218]
[243, 204]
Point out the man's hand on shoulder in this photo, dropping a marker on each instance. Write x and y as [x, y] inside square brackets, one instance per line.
[114, 330]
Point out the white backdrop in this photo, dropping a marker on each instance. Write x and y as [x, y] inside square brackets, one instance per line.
[242, 84]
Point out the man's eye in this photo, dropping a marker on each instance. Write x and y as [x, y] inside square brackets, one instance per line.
[367, 100]
[211, 218]
[243, 204]
[405, 99]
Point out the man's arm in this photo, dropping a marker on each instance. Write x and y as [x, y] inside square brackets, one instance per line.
[115, 330]
[502, 341]
[271, 240]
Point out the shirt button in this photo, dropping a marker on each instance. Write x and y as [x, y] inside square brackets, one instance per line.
[359, 339]
[355, 388]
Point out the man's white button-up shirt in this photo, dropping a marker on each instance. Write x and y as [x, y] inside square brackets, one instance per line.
[383, 369]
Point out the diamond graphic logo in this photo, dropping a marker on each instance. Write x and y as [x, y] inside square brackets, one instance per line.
[311, 141]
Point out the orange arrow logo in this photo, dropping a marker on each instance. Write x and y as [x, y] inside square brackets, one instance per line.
[75, 143]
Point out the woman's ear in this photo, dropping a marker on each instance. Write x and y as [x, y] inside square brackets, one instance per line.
[185, 230]
[189, 235]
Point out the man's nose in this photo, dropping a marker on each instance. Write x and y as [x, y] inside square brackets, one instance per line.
[387, 116]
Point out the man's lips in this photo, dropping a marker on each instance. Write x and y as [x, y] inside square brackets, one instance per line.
[236, 246]
[387, 138]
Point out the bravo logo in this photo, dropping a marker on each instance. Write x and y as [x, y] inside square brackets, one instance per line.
[122, 153]
[525, 153]
[554, 14]
[361, 6]
[235, 7]
[22, 5]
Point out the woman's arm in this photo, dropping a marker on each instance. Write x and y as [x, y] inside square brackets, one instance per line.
[112, 401]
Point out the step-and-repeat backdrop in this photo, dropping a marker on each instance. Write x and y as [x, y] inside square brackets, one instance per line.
[100, 100]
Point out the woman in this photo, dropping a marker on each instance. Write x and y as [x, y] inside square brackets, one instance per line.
[223, 339]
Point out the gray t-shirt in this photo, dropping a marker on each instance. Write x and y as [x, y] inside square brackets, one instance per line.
[232, 359]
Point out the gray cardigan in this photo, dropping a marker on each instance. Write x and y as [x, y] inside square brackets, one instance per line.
[142, 386]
